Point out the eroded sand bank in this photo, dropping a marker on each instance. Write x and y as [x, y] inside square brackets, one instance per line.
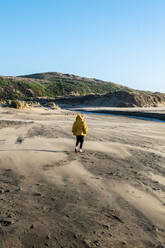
[112, 195]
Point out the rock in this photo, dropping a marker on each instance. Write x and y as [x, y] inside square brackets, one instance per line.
[152, 228]
[74, 236]
[36, 194]
[47, 237]
[32, 226]
[86, 243]
[9, 216]
[110, 173]
[105, 226]
[6, 222]
[155, 188]
[19, 140]
[123, 243]
[96, 242]
[7, 190]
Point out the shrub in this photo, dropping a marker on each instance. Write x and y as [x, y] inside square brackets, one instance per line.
[53, 105]
[18, 104]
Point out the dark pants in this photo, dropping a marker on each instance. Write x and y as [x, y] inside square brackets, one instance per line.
[79, 139]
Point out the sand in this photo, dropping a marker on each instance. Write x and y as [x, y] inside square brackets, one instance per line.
[111, 195]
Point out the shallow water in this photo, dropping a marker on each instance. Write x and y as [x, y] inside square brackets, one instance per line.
[129, 116]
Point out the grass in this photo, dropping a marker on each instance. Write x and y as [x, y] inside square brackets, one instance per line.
[21, 88]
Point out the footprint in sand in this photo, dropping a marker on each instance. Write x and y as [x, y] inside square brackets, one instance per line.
[36, 194]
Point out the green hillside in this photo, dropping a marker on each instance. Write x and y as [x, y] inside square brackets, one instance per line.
[52, 85]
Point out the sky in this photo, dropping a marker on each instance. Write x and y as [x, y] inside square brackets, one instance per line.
[121, 41]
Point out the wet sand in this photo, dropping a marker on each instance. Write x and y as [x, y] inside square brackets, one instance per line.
[111, 195]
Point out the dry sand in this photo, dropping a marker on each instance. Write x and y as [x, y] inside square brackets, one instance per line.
[111, 195]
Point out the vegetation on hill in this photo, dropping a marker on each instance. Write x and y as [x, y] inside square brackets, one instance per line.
[71, 90]
[53, 85]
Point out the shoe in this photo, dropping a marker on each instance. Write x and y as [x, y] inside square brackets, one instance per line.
[76, 149]
[81, 150]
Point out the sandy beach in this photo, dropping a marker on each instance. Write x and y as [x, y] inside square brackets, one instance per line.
[110, 196]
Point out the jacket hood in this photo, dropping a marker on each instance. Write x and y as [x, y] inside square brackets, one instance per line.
[79, 117]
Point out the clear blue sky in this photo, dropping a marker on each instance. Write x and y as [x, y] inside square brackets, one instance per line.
[122, 41]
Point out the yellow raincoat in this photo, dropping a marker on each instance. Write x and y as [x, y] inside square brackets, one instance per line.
[79, 126]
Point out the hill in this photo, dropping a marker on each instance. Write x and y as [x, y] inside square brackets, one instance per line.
[52, 85]
[73, 90]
